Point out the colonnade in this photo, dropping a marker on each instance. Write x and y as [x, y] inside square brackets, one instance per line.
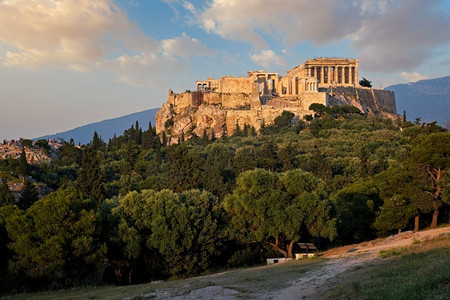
[340, 74]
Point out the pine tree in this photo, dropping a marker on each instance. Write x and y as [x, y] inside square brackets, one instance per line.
[29, 195]
[6, 197]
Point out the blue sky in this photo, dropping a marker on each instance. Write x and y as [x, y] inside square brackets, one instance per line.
[67, 63]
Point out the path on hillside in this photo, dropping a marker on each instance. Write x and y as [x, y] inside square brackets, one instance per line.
[344, 258]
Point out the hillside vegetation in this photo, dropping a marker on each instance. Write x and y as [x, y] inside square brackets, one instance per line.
[136, 209]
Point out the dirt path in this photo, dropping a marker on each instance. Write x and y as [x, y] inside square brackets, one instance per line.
[345, 258]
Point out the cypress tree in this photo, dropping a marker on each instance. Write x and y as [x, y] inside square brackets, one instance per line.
[89, 175]
[6, 197]
[23, 164]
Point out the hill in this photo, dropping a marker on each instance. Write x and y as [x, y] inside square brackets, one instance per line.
[428, 99]
[106, 128]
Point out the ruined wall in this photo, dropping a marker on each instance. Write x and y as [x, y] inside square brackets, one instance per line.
[308, 98]
[236, 100]
[181, 101]
[212, 98]
[235, 85]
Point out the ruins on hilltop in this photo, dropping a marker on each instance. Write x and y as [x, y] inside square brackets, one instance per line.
[218, 106]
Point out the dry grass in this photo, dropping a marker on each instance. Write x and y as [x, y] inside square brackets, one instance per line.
[242, 283]
[421, 271]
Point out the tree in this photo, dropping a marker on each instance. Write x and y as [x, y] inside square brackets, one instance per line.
[97, 142]
[185, 229]
[365, 83]
[23, 164]
[279, 209]
[394, 214]
[432, 154]
[357, 205]
[319, 109]
[89, 178]
[27, 143]
[401, 185]
[284, 119]
[57, 238]
[6, 197]
[29, 195]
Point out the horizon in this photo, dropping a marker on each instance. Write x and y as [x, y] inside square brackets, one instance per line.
[73, 63]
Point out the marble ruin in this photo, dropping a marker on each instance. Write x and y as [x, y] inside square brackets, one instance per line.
[221, 105]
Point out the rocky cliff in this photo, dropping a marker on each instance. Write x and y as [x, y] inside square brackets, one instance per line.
[193, 113]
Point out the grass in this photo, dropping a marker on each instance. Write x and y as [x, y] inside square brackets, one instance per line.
[421, 271]
[392, 252]
[245, 283]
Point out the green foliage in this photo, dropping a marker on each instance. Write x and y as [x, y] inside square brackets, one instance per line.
[365, 83]
[23, 167]
[6, 197]
[357, 206]
[56, 237]
[169, 123]
[280, 208]
[27, 143]
[42, 143]
[89, 175]
[284, 119]
[29, 195]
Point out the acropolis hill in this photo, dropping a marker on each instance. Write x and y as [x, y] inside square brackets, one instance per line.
[218, 106]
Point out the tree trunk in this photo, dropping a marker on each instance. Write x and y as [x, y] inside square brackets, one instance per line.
[416, 223]
[435, 217]
[278, 249]
[289, 249]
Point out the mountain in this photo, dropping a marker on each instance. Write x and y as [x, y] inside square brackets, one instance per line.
[106, 128]
[428, 99]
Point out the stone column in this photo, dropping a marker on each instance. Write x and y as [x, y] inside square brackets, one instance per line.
[356, 75]
[350, 75]
[322, 74]
[329, 75]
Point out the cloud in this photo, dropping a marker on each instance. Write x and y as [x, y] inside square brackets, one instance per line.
[412, 77]
[185, 47]
[267, 58]
[387, 35]
[88, 35]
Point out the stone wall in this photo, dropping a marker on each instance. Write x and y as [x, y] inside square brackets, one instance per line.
[232, 85]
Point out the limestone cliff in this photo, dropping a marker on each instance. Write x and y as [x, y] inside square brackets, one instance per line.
[193, 113]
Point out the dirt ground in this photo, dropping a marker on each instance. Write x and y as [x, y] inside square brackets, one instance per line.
[312, 283]
[344, 258]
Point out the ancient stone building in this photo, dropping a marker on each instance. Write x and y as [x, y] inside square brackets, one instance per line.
[221, 105]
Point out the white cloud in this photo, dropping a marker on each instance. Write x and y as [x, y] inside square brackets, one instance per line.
[185, 47]
[412, 77]
[387, 35]
[267, 58]
[86, 35]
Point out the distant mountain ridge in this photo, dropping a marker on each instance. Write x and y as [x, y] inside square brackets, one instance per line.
[106, 128]
[428, 99]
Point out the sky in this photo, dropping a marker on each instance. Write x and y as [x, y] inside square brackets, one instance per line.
[67, 63]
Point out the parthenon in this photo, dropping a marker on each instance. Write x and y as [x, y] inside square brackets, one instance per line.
[314, 75]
